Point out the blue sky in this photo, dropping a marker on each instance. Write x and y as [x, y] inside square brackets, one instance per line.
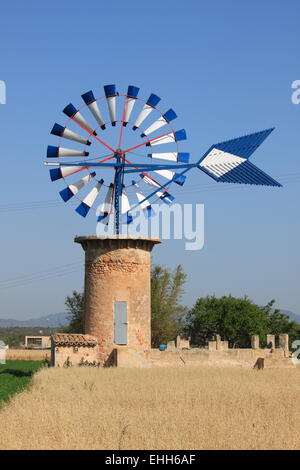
[225, 67]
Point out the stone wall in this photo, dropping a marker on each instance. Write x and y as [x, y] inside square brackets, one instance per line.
[28, 354]
[75, 354]
[125, 357]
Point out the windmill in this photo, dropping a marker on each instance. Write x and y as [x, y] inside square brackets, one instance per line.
[124, 185]
[127, 158]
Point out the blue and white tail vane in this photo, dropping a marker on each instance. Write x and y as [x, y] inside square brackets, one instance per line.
[80, 167]
[227, 162]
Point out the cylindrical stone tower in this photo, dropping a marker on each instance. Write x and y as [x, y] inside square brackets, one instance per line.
[118, 291]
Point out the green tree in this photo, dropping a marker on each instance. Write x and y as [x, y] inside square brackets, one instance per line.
[235, 319]
[167, 313]
[75, 307]
[279, 323]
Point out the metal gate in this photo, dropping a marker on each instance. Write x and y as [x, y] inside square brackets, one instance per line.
[120, 322]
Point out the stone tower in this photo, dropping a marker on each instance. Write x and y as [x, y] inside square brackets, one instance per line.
[118, 292]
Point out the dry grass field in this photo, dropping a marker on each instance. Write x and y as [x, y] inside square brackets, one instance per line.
[159, 408]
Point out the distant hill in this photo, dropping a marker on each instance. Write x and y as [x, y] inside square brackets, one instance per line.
[293, 316]
[52, 321]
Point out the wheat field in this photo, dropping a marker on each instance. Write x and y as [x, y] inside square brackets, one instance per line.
[159, 409]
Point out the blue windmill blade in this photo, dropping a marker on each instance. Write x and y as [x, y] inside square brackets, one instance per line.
[106, 208]
[142, 201]
[110, 94]
[67, 193]
[130, 101]
[76, 116]
[148, 107]
[62, 171]
[56, 152]
[160, 122]
[168, 138]
[66, 133]
[160, 191]
[86, 204]
[91, 103]
[227, 161]
[179, 157]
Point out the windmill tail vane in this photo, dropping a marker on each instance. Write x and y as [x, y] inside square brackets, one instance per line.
[132, 185]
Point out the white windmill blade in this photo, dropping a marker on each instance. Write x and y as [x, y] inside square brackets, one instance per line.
[163, 195]
[168, 138]
[171, 156]
[92, 104]
[130, 100]
[56, 152]
[76, 116]
[62, 171]
[93, 107]
[110, 93]
[66, 133]
[152, 101]
[125, 206]
[145, 204]
[168, 174]
[160, 122]
[106, 208]
[70, 191]
[107, 204]
[88, 201]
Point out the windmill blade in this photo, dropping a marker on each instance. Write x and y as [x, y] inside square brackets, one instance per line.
[110, 93]
[56, 152]
[70, 191]
[172, 175]
[130, 100]
[125, 206]
[106, 208]
[168, 138]
[152, 101]
[163, 195]
[62, 171]
[227, 161]
[76, 116]
[171, 156]
[88, 201]
[91, 103]
[145, 204]
[66, 133]
[160, 122]
[168, 174]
